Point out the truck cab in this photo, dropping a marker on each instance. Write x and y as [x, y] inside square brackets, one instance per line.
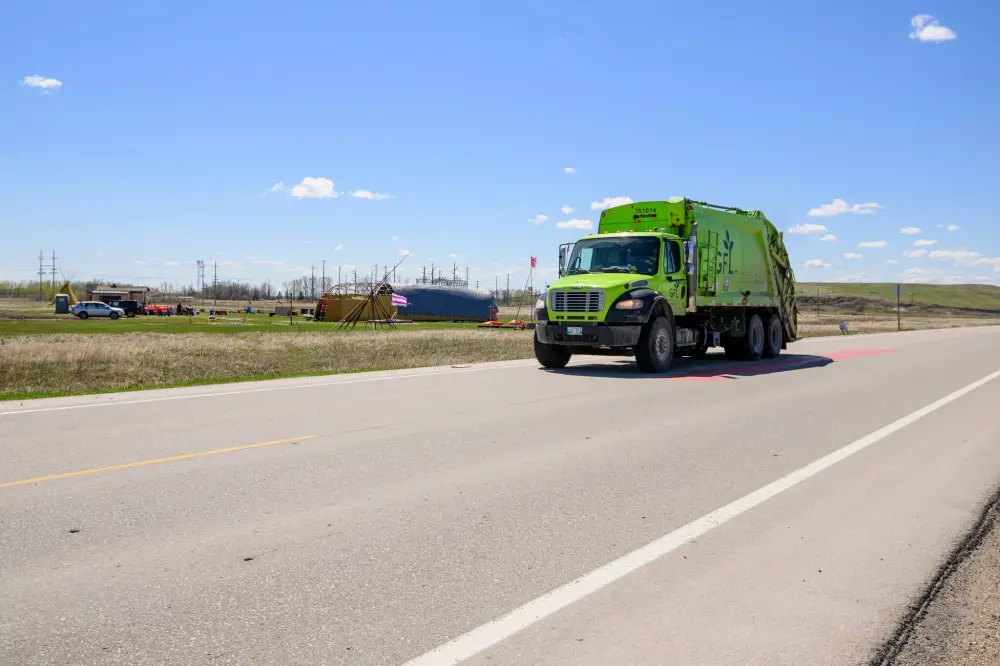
[651, 283]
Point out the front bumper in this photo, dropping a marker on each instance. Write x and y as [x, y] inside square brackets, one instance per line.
[600, 335]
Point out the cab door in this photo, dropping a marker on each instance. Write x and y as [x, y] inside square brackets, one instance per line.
[673, 276]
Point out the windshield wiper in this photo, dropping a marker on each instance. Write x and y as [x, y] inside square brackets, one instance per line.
[578, 271]
[616, 269]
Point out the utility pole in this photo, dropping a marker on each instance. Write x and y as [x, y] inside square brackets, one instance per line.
[215, 281]
[322, 285]
[312, 282]
[53, 273]
[899, 326]
[41, 273]
[507, 297]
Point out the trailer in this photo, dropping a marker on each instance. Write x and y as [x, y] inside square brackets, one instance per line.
[666, 278]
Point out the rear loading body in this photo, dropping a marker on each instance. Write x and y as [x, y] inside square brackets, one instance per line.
[670, 277]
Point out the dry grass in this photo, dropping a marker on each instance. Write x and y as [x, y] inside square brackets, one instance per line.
[53, 364]
[811, 325]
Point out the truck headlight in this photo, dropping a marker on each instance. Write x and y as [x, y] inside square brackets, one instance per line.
[540, 304]
[629, 304]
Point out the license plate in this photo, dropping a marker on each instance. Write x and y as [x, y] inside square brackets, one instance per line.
[574, 330]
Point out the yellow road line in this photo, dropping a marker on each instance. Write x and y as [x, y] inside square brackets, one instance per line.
[155, 461]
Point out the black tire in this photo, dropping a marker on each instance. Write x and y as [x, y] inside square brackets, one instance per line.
[552, 356]
[754, 340]
[774, 338]
[655, 351]
[83, 315]
[113, 316]
[130, 315]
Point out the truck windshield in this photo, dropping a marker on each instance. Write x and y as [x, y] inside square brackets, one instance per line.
[620, 254]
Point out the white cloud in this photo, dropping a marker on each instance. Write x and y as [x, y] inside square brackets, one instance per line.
[453, 255]
[42, 82]
[367, 194]
[915, 254]
[892, 262]
[828, 238]
[817, 263]
[960, 257]
[394, 239]
[953, 227]
[924, 242]
[339, 247]
[566, 210]
[808, 229]
[839, 206]
[314, 188]
[873, 244]
[139, 262]
[919, 275]
[575, 224]
[852, 256]
[228, 264]
[610, 202]
[569, 170]
[405, 253]
[926, 28]
[171, 263]
[538, 219]
[910, 230]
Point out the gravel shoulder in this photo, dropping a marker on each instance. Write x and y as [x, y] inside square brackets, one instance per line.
[960, 622]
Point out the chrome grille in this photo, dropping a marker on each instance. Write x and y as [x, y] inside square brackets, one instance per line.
[577, 301]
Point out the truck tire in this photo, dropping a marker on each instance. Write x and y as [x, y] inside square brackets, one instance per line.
[551, 356]
[655, 351]
[775, 337]
[755, 339]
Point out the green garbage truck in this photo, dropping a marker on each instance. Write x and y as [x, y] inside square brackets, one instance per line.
[670, 278]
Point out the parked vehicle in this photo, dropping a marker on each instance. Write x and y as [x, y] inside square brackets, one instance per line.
[87, 309]
[131, 308]
[661, 278]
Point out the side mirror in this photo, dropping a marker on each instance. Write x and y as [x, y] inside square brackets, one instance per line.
[562, 261]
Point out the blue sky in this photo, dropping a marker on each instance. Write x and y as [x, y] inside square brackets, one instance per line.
[138, 138]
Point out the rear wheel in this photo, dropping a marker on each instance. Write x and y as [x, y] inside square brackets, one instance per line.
[655, 351]
[754, 339]
[775, 336]
[83, 315]
[551, 356]
[130, 315]
[113, 315]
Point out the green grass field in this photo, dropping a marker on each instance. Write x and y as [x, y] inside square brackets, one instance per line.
[53, 324]
[964, 296]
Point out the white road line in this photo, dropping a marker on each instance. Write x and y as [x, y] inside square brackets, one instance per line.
[472, 643]
[264, 389]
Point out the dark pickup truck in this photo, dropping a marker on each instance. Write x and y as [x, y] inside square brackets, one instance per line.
[131, 308]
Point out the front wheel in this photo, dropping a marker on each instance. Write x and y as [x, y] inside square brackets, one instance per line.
[113, 315]
[551, 356]
[655, 351]
[83, 315]
[130, 315]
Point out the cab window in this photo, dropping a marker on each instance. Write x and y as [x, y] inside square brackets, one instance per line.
[671, 257]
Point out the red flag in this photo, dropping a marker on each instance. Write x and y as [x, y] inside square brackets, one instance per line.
[534, 261]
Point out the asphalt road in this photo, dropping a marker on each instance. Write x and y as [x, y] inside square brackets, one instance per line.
[785, 512]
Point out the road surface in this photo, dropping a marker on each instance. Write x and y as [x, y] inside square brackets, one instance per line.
[785, 512]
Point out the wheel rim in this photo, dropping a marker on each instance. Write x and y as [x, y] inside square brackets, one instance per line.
[662, 344]
[775, 334]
